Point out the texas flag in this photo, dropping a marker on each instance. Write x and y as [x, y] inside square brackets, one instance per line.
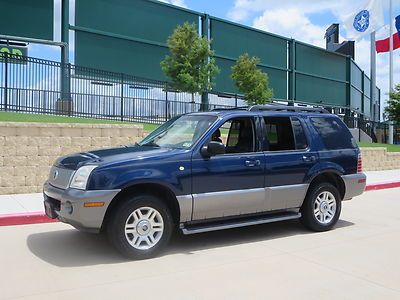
[383, 45]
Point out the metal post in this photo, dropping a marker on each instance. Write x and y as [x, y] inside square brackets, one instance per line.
[391, 133]
[373, 76]
[363, 93]
[6, 81]
[68, 80]
[166, 103]
[292, 66]
[391, 64]
[65, 84]
[122, 97]
[205, 26]
[386, 137]
[391, 46]
[361, 125]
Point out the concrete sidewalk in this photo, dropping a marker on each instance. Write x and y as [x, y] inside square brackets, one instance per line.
[374, 177]
[20, 204]
[357, 260]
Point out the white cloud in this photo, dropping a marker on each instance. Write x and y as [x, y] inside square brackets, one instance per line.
[245, 8]
[292, 18]
[180, 3]
[299, 27]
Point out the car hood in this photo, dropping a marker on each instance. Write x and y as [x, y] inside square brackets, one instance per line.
[111, 156]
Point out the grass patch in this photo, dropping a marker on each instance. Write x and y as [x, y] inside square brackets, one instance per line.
[390, 148]
[39, 118]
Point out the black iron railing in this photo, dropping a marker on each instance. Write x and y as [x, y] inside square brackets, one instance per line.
[33, 85]
[41, 86]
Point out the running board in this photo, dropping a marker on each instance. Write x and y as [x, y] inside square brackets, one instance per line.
[240, 223]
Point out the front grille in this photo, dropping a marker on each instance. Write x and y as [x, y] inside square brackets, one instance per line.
[60, 177]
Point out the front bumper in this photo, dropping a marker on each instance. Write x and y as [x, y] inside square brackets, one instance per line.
[354, 184]
[68, 206]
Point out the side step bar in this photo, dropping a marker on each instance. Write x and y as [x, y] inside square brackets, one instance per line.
[192, 229]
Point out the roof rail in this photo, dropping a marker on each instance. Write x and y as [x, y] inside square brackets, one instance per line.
[287, 108]
[230, 108]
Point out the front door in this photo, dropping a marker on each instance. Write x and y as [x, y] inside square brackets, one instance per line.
[232, 183]
[288, 159]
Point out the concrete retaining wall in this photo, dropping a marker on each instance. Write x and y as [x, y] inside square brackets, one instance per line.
[375, 159]
[27, 150]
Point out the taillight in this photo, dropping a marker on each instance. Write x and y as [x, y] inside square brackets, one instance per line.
[359, 163]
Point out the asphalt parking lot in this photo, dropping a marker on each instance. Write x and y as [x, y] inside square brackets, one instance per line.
[357, 260]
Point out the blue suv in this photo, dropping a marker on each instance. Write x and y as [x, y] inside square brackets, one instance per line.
[209, 171]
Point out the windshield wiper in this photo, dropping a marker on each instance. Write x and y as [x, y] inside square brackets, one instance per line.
[150, 144]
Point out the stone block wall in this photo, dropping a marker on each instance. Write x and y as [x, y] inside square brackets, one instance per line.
[27, 150]
[376, 159]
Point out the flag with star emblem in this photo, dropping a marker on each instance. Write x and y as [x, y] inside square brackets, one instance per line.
[366, 19]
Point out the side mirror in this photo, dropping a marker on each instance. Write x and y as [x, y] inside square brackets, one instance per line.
[212, 149]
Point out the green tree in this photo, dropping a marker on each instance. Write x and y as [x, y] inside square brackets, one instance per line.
[251, 81]
[393, 108]
[190, 64]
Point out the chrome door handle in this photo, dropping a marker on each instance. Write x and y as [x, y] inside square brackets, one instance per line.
[252, 163]
[309, 158]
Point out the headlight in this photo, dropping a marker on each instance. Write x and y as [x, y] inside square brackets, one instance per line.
[81, 176]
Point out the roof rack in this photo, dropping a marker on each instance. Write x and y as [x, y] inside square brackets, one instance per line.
[230, 108]
[276, 108]
[287, 108]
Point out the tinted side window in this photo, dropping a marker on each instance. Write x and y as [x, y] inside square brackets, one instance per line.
[333, 133]
[238, 135]
[299, 135]
[279, 134]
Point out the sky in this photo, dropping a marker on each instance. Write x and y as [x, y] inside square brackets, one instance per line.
[303, 20]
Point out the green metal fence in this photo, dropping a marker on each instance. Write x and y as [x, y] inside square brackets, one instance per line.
[126, 36]
[130, 37]
[27, 18]
[230, 40]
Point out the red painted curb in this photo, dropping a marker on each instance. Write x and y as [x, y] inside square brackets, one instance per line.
[40, 217]
[381, 186]
[25, 218]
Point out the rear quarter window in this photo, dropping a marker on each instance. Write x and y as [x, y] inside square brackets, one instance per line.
[299, 134]
[333, 133]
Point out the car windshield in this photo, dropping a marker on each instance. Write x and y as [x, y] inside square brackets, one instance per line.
[179, 132]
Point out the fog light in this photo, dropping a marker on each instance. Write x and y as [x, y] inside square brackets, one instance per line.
[68, 207]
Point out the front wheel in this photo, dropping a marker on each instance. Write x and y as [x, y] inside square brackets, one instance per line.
[141, 227]
[321, 208]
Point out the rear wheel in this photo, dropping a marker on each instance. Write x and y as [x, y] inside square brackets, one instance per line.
[141, 227]
[321, 208]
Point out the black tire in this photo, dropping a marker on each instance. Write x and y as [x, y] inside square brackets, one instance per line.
[116, 227]
[309, 218]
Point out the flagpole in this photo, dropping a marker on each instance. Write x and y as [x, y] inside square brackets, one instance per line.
[373, 77]
[390, 63]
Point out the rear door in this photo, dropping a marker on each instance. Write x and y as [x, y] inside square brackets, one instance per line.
[289, 156]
